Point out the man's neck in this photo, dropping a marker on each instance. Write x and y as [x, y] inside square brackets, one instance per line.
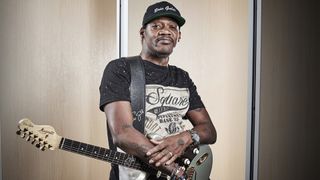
[162, 61]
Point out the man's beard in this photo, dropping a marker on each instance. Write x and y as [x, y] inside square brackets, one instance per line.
[162, 53]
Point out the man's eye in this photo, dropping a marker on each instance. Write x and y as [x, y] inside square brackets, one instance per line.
[174, 27]
[156, 26]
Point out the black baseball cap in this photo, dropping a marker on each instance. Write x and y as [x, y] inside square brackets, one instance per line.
[163, 9]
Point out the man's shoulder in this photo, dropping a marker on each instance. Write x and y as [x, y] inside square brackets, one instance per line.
[118, 63]
[123, 60]
[178, 69]
[117, 60]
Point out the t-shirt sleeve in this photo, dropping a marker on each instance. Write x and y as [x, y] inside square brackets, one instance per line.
[115, 83]
[194, 99]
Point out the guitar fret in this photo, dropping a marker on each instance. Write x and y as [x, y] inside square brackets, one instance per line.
[89, 149]
[110, 158]
[119, 158]
[105, 155]
[83, 147]
[95, 151]
[75, 145]
[115, 157]
[101, 152]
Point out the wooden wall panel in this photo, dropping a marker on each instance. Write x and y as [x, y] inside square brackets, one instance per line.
[52, 58]
[214, 50]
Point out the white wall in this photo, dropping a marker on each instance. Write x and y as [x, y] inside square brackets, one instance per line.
[52, 58]
[214, 50]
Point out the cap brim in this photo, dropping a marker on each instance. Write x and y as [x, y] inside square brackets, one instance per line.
[178, 19]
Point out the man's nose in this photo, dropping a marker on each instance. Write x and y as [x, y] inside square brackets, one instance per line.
[165, 30]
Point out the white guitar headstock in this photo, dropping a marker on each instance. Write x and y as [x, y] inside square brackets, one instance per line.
[43, 136]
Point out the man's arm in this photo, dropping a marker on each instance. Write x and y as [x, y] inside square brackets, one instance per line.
[177, 144]
[202, 123]
[125, 136]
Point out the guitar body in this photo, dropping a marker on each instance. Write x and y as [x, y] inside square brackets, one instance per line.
[197, 161]
[199, 167]
[201, 164]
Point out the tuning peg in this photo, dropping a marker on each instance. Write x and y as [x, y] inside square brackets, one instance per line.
[22, 135]
[49, 146]
[38, 145]
[18, 132]
[33, 141]
[35, 137]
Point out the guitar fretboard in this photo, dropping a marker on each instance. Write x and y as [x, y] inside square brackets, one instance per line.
[104, 154]
[100, 153]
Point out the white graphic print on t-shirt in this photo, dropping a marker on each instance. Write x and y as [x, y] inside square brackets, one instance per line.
[165, 108]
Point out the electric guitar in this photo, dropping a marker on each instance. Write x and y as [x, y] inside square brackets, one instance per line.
[197, 162]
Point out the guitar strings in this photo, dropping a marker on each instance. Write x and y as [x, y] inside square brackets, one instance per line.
[107, 155]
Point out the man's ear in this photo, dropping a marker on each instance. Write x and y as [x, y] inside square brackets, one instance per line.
[141, 32]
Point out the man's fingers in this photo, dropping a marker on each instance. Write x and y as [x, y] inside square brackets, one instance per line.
[166, 155]
[171, 160]
[156, 142]
[154, 149]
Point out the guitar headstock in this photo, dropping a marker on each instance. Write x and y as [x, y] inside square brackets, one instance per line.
[43, 136]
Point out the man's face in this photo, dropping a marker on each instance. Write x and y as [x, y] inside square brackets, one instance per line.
[160, 36]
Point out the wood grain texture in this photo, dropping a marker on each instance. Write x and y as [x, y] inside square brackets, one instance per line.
[52, 58]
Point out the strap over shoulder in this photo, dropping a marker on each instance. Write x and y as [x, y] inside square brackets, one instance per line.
[137, 92]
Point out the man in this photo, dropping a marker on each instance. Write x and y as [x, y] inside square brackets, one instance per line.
[171, 100]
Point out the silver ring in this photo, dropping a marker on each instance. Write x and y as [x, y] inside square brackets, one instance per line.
[171, 154]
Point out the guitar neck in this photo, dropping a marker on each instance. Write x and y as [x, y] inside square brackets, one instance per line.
[104, 154]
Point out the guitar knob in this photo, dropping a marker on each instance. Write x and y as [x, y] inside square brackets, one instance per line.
[43, 148]
[38, 145]
[186, 161]
[195, 151]
[28, 138]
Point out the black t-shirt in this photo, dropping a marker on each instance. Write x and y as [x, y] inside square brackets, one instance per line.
[170, 94]
[116, 81]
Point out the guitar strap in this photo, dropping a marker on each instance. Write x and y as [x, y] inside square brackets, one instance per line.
[137, 96]
[137, 92]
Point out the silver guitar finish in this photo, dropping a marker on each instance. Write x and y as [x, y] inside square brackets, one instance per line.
[201, 163]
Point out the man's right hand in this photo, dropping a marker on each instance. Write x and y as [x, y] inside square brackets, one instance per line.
[168, 149]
